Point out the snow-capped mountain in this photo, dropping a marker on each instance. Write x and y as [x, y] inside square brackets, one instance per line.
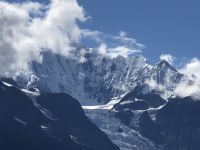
[165, 74]
[99, 78]
[137, 110]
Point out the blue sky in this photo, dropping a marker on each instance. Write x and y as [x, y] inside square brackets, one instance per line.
[170, 26]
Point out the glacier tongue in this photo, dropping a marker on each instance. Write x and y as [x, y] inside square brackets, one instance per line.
[121, 135]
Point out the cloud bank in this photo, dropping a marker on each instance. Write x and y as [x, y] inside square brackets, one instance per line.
[190, 86]
[29, 28]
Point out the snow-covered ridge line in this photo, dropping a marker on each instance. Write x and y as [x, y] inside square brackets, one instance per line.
[98, 79]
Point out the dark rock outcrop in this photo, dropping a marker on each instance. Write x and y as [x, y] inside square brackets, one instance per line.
[46, 122]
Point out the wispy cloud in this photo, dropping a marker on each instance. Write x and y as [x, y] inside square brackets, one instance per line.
[113, 45]
[169, 58]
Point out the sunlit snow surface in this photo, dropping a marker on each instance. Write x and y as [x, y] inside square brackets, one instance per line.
[7, 84]
[109, 105]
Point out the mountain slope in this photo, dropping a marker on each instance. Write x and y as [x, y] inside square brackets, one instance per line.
[135, 122]
[98, 79]
[44, 122]
[172, 125]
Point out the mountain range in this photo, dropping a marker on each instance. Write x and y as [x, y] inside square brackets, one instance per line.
[98, 79]
[100, 103]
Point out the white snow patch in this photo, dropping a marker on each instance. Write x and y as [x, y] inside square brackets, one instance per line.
[74, 138]
[7, 84]
[20, 121]
[31, 93]
[109, 105]
[126, 102]
[43, 127]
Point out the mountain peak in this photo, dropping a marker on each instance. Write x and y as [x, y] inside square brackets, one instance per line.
[165, 64]
[164, 61]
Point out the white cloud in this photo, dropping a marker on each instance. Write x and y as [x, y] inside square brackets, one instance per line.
[188, 89]
[192, 69]
[116, 51]
[190, 86]
[122, 33]
[27, 29]
[153, 85]
[102, 49]
[113, 46]
[169, 58]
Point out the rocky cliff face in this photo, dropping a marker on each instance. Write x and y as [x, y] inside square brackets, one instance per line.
[98, 78]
